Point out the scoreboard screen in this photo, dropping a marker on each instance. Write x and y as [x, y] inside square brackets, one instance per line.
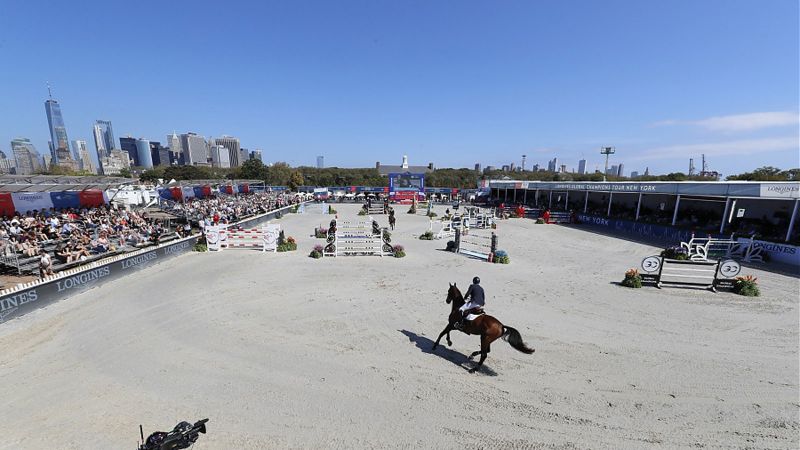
[406, 182]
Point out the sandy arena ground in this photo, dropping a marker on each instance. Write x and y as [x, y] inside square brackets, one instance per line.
[284, 351]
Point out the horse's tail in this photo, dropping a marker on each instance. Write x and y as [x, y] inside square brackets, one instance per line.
[513, 337]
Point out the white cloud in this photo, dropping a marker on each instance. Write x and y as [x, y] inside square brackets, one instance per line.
[741, 122]
[729, 148]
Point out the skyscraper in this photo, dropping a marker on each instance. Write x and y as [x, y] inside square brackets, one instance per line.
[552, 165]
[234, 149]
[160, 155]
[26, 156]
[220, 156]
[103, 137]
[620, 172]
[58, 132]
[128, 145]
[6, 165]
[175, 147]
[195, 149]
[80, 148]
[582, 166]
[256, 154]
[320, 162]
[143, 154]
[613, 170]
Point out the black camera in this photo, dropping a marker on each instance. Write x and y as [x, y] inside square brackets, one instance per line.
[184, 435]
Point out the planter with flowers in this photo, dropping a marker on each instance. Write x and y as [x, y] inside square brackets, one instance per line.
[399, 251]
[320, 233]
[317, 252]
[676, 253]
[286, 244]
[632, 279]
[747, 286]
[501, 257]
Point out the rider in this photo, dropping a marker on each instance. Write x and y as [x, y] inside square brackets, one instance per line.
[474, 299]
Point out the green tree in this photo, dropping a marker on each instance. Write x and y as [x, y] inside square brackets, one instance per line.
[767, 173]
[295, 180]
[278, 174]
[152, 175]
[252, 169]
[125, 172]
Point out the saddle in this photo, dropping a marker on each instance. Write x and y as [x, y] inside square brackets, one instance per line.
[474, 311]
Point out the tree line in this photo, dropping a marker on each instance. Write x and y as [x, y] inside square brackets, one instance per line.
[281, 174]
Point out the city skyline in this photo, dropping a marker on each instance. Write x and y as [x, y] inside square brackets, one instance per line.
[352, 83]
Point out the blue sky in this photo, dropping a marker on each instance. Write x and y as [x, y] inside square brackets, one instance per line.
[449, 82]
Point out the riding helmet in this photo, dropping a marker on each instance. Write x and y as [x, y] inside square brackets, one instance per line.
[476, 280]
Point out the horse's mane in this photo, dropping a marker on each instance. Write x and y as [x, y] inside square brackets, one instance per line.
[455, 292]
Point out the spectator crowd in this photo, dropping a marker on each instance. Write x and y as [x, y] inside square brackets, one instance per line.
[51, 239]
[227, 209]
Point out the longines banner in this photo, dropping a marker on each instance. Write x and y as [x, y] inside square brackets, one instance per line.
[26, 300]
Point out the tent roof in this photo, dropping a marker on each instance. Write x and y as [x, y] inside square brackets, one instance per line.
[211, 182]
[51, 183]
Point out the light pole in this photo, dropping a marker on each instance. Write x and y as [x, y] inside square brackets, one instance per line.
[606, 151]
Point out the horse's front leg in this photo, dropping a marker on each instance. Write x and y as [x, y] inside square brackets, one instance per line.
[445, 331]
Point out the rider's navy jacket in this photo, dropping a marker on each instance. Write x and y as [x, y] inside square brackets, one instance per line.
[475, 294]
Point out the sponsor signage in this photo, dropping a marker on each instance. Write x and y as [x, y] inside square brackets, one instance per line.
[780, 190]
[26, 300]
[657, 233]
[782, 253]
[784, 190]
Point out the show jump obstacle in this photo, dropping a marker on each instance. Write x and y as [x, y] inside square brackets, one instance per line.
[687, 273]
[313, 208]
[375, 209]
[447, 227]
[699, 249]
[476, 246]
[265, 238]
[356, 238]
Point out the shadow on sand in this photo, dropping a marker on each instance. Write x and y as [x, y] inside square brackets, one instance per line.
[459, 359]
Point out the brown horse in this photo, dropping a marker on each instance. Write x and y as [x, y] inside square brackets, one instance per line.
[489, 328]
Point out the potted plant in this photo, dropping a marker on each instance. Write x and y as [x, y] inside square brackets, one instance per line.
[286, 244]
[632, 279]
[399, 251]
[501, 257]
[317, 252]
[747, 286]
[426, 236]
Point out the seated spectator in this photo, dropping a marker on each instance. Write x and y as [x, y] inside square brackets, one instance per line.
[63, 253]
[45, 264]
[101, 244]
[78, 252]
